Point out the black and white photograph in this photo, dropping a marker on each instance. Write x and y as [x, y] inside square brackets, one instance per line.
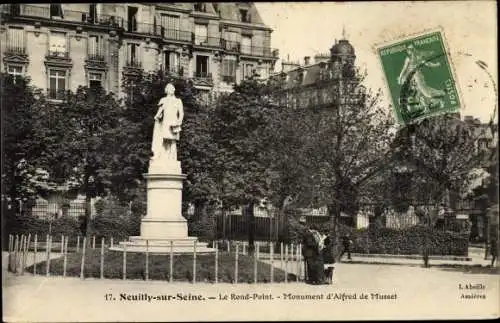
[249, 161]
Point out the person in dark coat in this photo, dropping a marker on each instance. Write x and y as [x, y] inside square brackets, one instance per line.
[493, 251]
[312, 255]
[346, 245]
[328, 259]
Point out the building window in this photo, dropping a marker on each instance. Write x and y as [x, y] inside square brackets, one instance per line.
[229, 70]
[57, 84]
[15, 43]
[200, 34]
[95, 80]
[170, 26]
[57, 46]
[133, 59]
[171, 62]
[200, 6]
[246, 44]
[132, 18]
[93, 13]
[95, 48]
[16, 71]
[56, 11]
[231, 41]
[245, 16]
[247, 71]
[201, 66]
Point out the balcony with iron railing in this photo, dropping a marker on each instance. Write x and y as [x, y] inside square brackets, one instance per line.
[58, 53]
[96, 56]
[15, 50]
[33, 11]
[206, 41]
[230, 46]
[133, 63]
[173, 70]
[259, 51]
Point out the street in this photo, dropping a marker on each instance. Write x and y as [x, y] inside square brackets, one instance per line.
[419, 293]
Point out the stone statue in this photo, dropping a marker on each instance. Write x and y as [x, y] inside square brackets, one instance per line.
[168, 121]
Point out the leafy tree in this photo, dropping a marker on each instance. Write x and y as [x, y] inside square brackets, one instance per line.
[440, 154]
[344, 142]
[22, 108]
[86, 139]
[240, 131]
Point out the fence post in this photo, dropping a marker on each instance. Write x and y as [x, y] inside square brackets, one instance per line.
[124, 261]
[286, 263]
[255, 263]
[271, 254]
[257, 250]
[78, 244]
[236, 263]
[281, 255]
[10, 252]
[111, 242]
[171, 260]
[102, 257]
[35, 254]
[217, 263]
[84, 245]
[228, 246]
[47, 247]
[297, 259]
[65, 261]
[194, 262]
[23, 258]
[93, 242]
[146, 274]
[62, 243]
[16, 254]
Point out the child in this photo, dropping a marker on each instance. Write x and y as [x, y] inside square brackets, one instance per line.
[328, 259]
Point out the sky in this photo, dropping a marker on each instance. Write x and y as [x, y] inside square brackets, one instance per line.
[307, 28]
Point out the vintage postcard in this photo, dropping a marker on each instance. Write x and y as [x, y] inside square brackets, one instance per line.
[249, 161]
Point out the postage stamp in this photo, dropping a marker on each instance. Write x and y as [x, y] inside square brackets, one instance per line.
[419, 77]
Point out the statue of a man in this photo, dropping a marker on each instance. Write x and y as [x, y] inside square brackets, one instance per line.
[168, 121]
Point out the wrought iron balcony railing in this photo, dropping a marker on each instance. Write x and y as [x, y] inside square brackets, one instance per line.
[98, 56]
[15, 50]
[58, 54]
[133, 63]
[206, 41]
[228, 45]
[25, 10]
[200, 74]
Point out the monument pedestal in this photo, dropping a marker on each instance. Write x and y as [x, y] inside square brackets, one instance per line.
[164, 222]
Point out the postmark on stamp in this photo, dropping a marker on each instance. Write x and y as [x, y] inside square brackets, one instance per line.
[419, 77]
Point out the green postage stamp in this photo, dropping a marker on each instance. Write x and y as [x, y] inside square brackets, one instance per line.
[419, 77]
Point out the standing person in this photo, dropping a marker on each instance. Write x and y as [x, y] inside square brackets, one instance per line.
[493, 250]
[346, 244]
[328, 259]
[312, 254]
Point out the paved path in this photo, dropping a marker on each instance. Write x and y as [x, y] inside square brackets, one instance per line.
[420, 293]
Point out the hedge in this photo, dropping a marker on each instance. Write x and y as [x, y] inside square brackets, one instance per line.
[408, 241]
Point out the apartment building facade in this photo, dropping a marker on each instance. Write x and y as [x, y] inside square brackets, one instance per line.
[63, 46]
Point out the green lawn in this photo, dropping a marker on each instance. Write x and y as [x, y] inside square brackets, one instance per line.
[159, 267]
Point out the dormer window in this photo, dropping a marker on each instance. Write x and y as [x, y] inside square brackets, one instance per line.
[56, 11]
[199, 6]
[245, 16]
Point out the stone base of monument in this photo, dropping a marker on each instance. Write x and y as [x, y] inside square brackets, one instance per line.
[164, 246]
[163, 229]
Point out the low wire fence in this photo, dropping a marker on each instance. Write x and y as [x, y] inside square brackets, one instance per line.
[85, 257]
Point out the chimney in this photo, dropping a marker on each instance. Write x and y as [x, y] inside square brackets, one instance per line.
[468, 119]
[288, 66]
[306, 60]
